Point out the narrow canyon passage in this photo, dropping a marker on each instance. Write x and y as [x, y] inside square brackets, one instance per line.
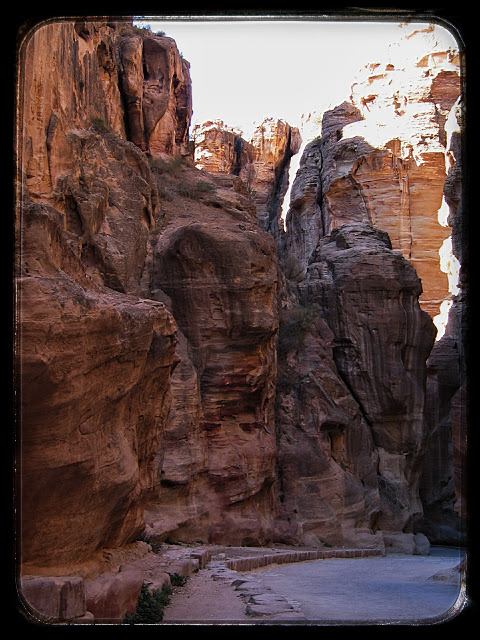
[209, 355]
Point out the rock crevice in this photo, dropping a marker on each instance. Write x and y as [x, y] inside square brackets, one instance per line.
[191, 372]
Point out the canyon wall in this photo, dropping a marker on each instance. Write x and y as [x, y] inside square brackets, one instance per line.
[218, 486]
[147, 395]
[383, 158]
[188, 371]
[261, 162]
[390, 159]
[444, 477]
[96, 356]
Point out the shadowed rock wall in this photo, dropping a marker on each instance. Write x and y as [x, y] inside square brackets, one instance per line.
[173, 380]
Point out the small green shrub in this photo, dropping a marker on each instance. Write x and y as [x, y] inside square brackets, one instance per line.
[155, 545]
[177, 579]
[100, 126]
[294, 324]
[194, 190]
[150, 606]
[172, 166]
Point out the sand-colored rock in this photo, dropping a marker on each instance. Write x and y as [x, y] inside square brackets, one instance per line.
[220, 148]
[110, 596]
[155, 81]
[109, 76]
[385, 157]
[50, 599]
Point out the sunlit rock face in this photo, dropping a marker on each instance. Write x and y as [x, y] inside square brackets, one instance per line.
[109, 76]
[54, 101]
[158, 397]
[368, 295]
[262, 162]
[385, 157]
[443, 484]
[459, 328]
[96, 355]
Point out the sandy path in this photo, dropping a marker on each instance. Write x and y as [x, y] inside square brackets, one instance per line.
[205, 600]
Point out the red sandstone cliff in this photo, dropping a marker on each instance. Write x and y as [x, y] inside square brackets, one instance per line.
[136, 255]
[173, 381]
[262, 162]
[385, 164]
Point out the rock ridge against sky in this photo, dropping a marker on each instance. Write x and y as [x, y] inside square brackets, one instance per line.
[189, 369]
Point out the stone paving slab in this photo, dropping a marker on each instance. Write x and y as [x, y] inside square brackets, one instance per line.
[262, 602]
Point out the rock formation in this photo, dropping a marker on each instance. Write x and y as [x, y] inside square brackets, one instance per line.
[226, 309]
[391, 176]
[443, 485]
[383, 159]
[186, 375]
[116, 238]
[262, 162]
[327, 462]
[96, 356]
[155, 81]
[369, 297]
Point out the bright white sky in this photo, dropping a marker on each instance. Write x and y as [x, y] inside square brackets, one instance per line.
[243, 71]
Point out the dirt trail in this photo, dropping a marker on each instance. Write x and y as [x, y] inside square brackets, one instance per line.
[204, 599]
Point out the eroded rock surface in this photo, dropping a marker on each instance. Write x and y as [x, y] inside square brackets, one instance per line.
[358, 310]
[327, 461]
[155, 81]
[174, 382]
[262, 162]
[220, 272]
[384, 161]
[95, 395]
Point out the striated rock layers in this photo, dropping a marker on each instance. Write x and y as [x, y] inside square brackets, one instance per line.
[218, 469]
[96, 355]
[344, 179]
[369, 296]
[443, 485]
[355, 387]
[174, 382]
[262, 163]
[383, 159]
[109, 75]
[147, 353]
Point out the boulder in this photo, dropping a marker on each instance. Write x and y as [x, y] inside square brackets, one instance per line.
[111, 596]
[53, 599]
